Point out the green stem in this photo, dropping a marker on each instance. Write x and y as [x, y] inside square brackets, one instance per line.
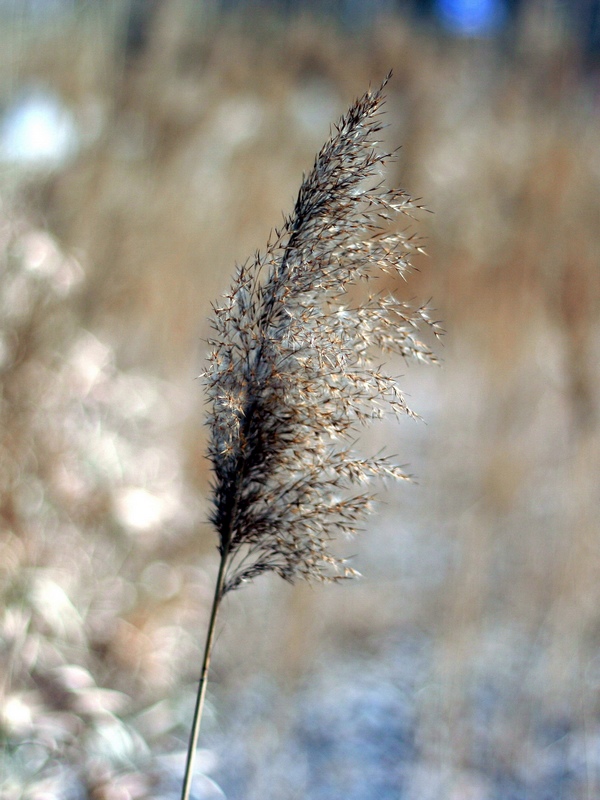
[210, 636]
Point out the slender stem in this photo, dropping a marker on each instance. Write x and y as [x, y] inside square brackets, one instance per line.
[210, 635]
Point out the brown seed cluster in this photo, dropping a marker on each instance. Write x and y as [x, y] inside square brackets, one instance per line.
[292, 369]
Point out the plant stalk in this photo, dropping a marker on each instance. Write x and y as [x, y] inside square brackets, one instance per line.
[202, 686]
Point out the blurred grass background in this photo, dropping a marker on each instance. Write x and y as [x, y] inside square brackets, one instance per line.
[178, 134]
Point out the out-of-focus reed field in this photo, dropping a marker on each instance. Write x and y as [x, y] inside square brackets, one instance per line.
[466, 662]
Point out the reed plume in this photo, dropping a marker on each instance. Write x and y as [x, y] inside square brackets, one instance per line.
[292, 371]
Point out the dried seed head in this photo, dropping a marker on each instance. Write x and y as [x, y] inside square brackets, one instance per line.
[291, 371]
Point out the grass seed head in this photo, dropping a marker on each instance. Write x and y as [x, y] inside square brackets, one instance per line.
[293, 367]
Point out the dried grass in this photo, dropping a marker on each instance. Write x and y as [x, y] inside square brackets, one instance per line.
[500, 566]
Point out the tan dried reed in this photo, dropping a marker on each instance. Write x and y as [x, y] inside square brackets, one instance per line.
[291, 372]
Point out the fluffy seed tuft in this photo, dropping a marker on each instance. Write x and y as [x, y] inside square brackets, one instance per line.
[292, 372]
